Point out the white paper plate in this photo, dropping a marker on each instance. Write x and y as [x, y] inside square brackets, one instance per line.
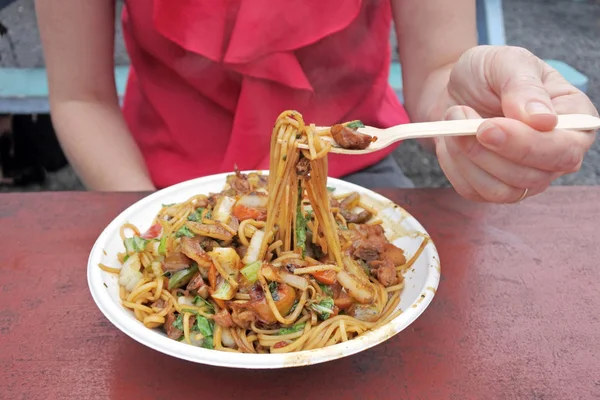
[401, 228]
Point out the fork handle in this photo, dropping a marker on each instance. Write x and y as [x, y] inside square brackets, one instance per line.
[465, 127]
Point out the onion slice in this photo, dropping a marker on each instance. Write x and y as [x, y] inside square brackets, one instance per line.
[361, 292]
[296, 281]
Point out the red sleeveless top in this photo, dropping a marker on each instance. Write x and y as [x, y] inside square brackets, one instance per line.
[209, 77]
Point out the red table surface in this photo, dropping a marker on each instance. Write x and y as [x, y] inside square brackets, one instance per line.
[516, 314]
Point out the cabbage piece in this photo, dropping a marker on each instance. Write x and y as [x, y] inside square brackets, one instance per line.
[130, 274]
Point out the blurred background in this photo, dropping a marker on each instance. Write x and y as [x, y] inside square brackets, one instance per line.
[564, 32]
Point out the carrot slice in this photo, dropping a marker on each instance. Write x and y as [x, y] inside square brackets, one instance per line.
[212, 276]
[326, 277]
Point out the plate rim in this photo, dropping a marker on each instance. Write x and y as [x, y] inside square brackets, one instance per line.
[162, 344]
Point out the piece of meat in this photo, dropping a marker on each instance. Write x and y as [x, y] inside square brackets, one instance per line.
[333, 202]
[347, 205]
[303, 167]
[196, 282]
[350, 139]
[213, 231]
[356, 218]
[206, 243]
[234, 223]
[243, 319]
[386, 273]
[192, 249]
[394, 254]
[176, 262]
[170, 330]
[350, 201]
[239, 182]
[160, 303]
[223, 318]
[343, 301]
[336, 289]
[367, 250]
[200, 201]
[372, 232]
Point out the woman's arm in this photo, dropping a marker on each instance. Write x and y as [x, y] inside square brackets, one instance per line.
[432, 35]
[78, 41]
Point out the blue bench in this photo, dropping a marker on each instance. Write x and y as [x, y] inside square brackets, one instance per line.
[25, 90]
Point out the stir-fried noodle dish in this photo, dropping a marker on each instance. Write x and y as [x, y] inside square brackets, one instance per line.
[271, 264]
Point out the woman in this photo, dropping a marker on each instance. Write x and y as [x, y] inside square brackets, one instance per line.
[209, 78]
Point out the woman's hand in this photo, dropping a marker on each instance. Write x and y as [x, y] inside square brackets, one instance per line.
[522, 153]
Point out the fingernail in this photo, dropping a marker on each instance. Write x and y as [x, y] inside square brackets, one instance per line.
[492, 137]
[536, 108]
[456, 113]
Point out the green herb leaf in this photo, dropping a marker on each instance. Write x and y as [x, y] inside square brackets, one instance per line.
[324, 308]
[273, 286]
[300, 222]
[168, 205]
[355, 125]
[330, 189]
[184, 231]
[250, 271]
[135, 244]
[223, 291]
[291, 329]
[196, 216]
[126, 257]
[162, 247]
[178, 323]
[181, 277]
[204, 326]
[326, 289]
[200, 302]
[207, 343]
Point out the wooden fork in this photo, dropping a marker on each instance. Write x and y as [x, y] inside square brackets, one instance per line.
[389, 136]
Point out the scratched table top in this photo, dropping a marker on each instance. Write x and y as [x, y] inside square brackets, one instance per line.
[515, 316]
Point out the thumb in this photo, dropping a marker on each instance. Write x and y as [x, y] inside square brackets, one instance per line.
[517, 75]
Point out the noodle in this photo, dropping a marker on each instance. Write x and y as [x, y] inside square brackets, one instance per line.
[109, 269]
[316, 268]
[277, 273]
